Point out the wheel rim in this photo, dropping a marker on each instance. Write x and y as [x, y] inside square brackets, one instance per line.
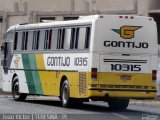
[65, 94]
[16, 89]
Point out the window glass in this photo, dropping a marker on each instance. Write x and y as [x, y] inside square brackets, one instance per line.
[76, 38]
[26, 41]
[62, 39]
[67, 39]
[59, 38]
[72, 38]
[23, 41]
[46, 39]
[29, 44]
[9, 36]
[35, 43]
[37, 39]
[81, 41]
[34, 40]
[19, 43]
[50, 39]
[54, 39]
[87, 37]
[41, 39]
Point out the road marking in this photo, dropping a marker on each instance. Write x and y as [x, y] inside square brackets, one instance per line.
[121, 116]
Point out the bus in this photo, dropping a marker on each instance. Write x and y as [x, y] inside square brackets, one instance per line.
[110, 58]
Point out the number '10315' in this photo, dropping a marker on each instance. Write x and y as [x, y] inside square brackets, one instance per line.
[125, 67]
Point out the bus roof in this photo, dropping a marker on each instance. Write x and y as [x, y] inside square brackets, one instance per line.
[82, 20]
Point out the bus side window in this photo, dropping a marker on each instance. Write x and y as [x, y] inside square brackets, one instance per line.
[87, 37]
[9, 42]
[67, 39]
[72, 38]
[54, 39]
[24, 40]
[62, 39]
[48, 39]
[30, 39]
[59, 38]
[19, 43]
[82, 35]
[41, 39]
[8, 51]
[35, 44]
[76, 38]
[15, 40]
[37, 40]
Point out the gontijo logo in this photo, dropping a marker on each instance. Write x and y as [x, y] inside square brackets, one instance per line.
[127, 32]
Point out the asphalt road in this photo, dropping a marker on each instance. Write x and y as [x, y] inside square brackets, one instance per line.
[39, 108]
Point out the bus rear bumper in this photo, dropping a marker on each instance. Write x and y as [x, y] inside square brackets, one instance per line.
[149, 94]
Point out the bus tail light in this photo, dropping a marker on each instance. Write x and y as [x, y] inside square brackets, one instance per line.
[126, 17]
[94, 73]
[120, 16]
[154, 75]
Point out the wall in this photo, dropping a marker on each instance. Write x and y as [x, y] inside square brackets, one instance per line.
[154, 4]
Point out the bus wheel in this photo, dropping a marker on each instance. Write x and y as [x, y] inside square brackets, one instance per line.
[65, 94]
[118, 104]
[15, 91]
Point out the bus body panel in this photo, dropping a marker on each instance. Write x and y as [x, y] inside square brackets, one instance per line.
[42, 73]
[6, 83]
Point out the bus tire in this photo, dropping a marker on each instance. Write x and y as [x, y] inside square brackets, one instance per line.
[118, 104]
[15, 91]
[65, 99]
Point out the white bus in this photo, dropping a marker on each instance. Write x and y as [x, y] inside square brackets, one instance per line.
[111, 58]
